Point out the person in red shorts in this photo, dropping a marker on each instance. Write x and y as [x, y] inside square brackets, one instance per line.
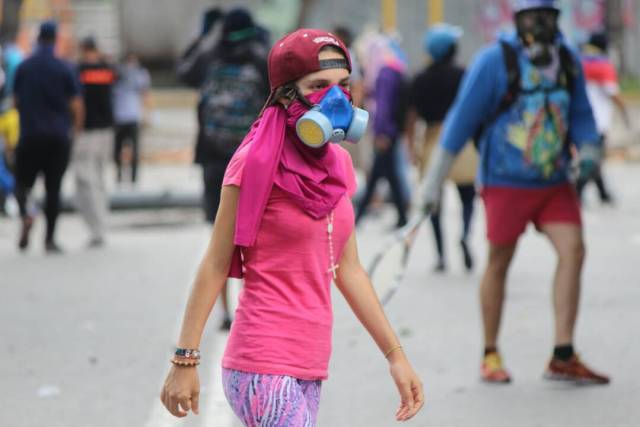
[525, 103]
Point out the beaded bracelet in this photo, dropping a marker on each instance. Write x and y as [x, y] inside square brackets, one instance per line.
[189, 353]
[184, 361]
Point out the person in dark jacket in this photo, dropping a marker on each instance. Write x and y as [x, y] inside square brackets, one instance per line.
[51, 112]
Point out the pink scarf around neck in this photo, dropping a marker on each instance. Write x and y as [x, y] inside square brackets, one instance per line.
[313, 178]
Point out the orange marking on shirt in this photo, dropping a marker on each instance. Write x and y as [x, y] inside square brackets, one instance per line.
[97, 77]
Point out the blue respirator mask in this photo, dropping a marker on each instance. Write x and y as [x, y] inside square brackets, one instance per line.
[333, 119]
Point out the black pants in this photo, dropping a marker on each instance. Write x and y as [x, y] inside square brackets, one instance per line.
[596, 177]
[212, 175]
[49, 156]
[467, 194]
[127, 134]
[384, 166]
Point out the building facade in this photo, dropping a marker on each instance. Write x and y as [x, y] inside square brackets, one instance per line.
[158, 30]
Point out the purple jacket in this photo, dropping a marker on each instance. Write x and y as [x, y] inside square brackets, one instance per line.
[388, 87]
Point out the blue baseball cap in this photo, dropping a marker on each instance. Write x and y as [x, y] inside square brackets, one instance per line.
[524, 5]
[440, 38]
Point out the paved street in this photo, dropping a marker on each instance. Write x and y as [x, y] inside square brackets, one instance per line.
[86, 336]
[439, 319]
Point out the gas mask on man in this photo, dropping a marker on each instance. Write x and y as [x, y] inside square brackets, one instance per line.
[538, 28]
[331, 119]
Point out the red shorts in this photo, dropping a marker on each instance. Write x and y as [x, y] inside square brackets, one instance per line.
[509, 210]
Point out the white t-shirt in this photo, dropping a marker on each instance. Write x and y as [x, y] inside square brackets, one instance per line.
[602, 85]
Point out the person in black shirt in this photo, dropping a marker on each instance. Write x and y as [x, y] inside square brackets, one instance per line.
[93, 150]
[433, 92]
[47, 95]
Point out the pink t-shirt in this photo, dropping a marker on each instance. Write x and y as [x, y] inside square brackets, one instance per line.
[284, 318]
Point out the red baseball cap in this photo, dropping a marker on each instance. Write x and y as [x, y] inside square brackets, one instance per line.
[296, 55]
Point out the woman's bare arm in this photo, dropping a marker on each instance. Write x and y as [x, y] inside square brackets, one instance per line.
[353, 282]
[181, 390]
[213, 271]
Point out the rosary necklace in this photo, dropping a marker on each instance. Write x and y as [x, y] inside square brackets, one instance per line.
[332, 263]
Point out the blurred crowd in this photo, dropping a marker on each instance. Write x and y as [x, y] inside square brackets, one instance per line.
[54, 113]
[95, 112]
[523, 127]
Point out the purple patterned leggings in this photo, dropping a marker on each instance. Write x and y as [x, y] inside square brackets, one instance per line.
[261, 400]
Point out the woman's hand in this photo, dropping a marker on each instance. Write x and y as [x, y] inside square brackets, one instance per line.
[181, 391]
[409, 386]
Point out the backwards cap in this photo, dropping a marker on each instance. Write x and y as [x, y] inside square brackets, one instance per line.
[296, 55]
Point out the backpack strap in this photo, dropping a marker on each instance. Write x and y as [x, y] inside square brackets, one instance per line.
[568, 71]
[512, 66]
[567, 76]
[568, 67]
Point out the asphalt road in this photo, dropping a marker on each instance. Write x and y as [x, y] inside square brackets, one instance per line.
[85, 337]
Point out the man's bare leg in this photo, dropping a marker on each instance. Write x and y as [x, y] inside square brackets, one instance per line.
[492, 290]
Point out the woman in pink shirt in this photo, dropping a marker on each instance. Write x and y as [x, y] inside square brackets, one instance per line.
[286, 225]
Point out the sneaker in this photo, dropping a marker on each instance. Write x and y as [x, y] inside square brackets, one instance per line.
[440, 267]
[607, 201]
[52, 248]
[225, 325]
[27, 223]
[96, 243]
[492, 370]
[401, 222]
[573, 370]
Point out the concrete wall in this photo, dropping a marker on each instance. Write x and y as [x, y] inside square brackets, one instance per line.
[160, 29]
[99, 19]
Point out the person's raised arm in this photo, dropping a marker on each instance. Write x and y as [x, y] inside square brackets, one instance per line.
[182, 389]
[354, 284]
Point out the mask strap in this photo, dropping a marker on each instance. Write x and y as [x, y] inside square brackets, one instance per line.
[292, 93]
